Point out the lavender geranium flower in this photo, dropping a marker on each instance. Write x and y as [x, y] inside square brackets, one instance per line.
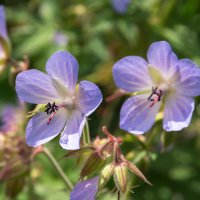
[85, 190]
[120, 6]
[4, 41]
[164, 82]
[65, 105]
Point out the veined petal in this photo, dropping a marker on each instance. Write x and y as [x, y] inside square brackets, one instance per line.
[70, 142]
[35, 87]
[70, 137]
[85, 190]
[131, 74]
[64, 67]
[39, 132]
[161, 57]
[75, 122]
[178, 112]
[3, 29]
[136, 115]
[89, 97]
[188, 83]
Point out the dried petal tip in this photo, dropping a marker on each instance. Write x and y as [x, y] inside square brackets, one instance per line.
[105, 175]
[121, 177]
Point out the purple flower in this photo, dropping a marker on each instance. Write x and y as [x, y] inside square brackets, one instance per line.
[120, 6]
[3, 36]
[60, 39]
[85, 190]
[164, 82]
[65, 105]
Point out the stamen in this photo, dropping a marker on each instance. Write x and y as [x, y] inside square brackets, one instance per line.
[51, 109]
[155, 96]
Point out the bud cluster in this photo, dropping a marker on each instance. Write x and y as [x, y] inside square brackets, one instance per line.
[105, 155]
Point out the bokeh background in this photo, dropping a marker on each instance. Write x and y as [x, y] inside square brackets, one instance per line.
[97, 35]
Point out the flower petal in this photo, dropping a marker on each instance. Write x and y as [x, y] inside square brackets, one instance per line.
[120, 6]
[161, 57]
[188, 83]
[35, 87]
[71, 141]
[39, 132]
[136, 115]
[71, 134]
[85, 190]
[74, 122]
[178, 112]
[3, 29]
[64, 67]
[89, 96]
[131, 74]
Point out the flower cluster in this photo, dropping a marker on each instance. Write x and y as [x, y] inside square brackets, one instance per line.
[161, 84]
[103, 155]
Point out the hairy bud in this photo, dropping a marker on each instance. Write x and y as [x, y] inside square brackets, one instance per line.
[105, 175]
[121, 177]
[94, 163]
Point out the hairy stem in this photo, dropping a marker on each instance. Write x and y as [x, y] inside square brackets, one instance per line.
[57, 167]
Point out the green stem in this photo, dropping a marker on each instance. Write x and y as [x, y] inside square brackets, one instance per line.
[53, 161]
[86, 133]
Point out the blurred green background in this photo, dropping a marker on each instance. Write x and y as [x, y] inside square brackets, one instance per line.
[98, 36]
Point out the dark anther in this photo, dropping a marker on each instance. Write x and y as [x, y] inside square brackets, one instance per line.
[157, 92]
[51, 108]
[155, 96]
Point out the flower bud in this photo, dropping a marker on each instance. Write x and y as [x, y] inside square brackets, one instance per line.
[105, 175]
[94, 163]
[121, 177]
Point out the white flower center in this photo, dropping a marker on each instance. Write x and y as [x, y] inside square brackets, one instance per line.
[69, 103]
[160, 88]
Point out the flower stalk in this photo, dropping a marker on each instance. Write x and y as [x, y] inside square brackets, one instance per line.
[86, 134]
[57, 167]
